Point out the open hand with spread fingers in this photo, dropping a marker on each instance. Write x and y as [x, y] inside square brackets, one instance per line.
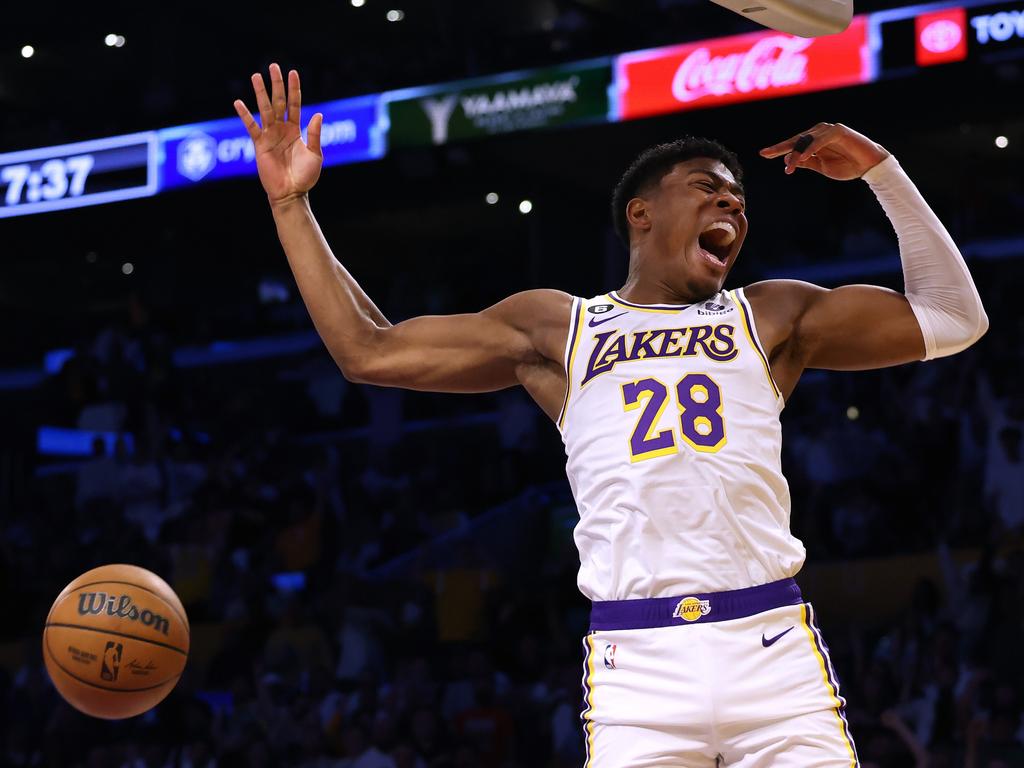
[288, 166]
[831, 149]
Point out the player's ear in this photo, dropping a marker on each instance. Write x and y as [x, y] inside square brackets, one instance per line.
[638, 214]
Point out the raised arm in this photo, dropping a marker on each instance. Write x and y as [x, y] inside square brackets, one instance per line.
[517, 341]
[864, 326]
[478, 352]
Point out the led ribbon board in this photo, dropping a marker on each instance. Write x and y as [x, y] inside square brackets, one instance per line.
[220, 149]
[573, 94]
[75, 175]
[705, 73]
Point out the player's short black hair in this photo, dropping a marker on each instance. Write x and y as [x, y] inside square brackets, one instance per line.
[654, 162]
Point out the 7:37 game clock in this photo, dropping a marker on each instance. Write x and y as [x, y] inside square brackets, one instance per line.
[73, 175]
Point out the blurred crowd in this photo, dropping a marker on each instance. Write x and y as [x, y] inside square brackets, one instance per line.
[381, 579]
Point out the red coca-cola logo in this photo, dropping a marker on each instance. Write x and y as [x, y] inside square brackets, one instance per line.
[739, 68]
[774, 62]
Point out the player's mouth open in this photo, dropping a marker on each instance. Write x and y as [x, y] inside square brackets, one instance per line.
[716, 240]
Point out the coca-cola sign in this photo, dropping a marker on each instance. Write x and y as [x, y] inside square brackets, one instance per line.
[759, 65]
[773, 62]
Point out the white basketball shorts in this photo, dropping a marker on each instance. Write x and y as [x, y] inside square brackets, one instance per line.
[738, 679]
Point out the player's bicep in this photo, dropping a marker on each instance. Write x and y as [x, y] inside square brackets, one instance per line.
[477, 352]
[857, 327]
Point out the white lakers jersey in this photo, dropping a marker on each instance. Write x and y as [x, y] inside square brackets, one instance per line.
[672, 433]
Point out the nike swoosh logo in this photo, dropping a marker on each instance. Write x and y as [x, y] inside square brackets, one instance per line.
[765, 642]
[594, 322]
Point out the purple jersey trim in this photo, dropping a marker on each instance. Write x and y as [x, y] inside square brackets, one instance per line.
[655, 612]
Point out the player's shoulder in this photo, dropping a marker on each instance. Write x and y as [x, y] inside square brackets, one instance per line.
[782, 298]
[781, 288]
[538, 306]
[778, 305]
[541, 316]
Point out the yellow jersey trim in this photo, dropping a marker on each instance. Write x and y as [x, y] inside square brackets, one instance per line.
[571, 345]
[805, 616]
[747, 318]
[661, 309]
[588, 715]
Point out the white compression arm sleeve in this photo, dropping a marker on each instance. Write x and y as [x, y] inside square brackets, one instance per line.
[936, 280]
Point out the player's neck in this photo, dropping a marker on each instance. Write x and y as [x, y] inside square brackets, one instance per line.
[640, 290]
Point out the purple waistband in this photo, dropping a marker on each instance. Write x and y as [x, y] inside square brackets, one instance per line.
[693, 609]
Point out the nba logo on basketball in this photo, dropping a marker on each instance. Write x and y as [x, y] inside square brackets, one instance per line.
[111, 661]
[691, 609]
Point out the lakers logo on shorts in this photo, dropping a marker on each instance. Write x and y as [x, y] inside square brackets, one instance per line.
[691, 608]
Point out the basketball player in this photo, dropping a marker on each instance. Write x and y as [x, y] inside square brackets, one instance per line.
[667, 393]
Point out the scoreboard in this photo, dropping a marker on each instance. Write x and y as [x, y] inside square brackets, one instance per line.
[73, 175]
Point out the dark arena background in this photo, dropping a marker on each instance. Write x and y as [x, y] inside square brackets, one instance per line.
[378, 578]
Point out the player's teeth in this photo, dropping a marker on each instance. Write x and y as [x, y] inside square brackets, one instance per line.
[724, 226]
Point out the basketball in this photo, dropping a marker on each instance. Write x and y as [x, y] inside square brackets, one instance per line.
[116, 641]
